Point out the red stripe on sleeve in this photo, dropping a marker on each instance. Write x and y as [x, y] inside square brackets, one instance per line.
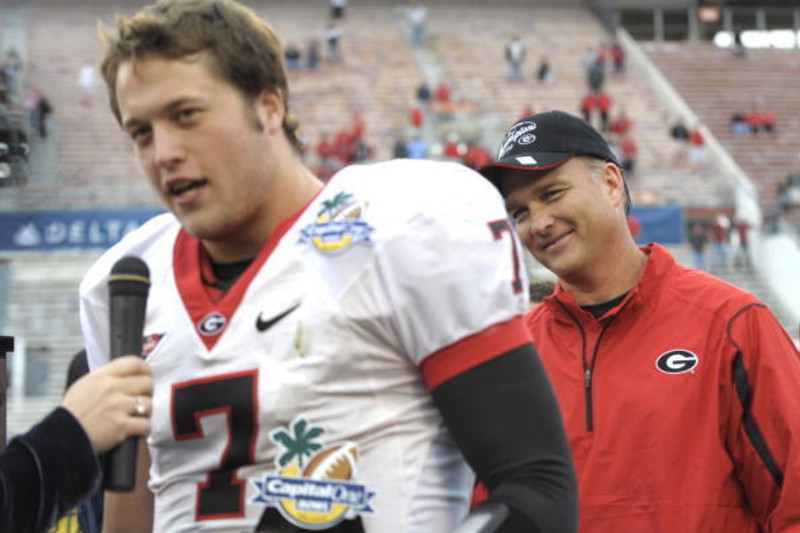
[472, 351]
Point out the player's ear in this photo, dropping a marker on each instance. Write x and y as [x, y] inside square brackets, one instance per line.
[270, 108]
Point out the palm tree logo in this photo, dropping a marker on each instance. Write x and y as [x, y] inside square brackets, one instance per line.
[338, 224]
[333, 206]
[298, 442]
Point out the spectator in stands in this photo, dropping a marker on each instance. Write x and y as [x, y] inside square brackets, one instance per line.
[738, 45]
[768, 122]
[621, 124]
[793, 190]
[679, 131]
[423, 94]
[338, 8]
[325, 150]
[515, 57]
[12, 71]
[453, 148]
[741, 257]
[416, 117]
[32, 106]
[588, 58]
[418, 148]
[43, 111]
[782, 193]
[545, 72]
[595, 76]
[602, 101]
[333, 36]
[698, 155]
[618, 57]
[358, 125]
[476, 156]
[5, 93]
[720, 237]
[86, 76]
[312, 55]
[739, 124]
[629, 151]
[526, 111]
[399, 149]
[588, 106]
[292, 55]
[417, 16]
[698, 239]
[443, 93]
[760, 121]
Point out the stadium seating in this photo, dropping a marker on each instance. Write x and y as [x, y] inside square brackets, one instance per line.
[716, 85]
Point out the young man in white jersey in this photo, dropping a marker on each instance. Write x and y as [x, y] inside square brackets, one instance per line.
[323, 358]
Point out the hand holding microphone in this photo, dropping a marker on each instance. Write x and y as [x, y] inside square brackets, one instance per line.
[128, 285]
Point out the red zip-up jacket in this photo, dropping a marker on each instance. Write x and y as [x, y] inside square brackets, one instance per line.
[681, 404]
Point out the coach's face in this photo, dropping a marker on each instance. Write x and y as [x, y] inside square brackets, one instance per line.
[206, 149]
[565, 216]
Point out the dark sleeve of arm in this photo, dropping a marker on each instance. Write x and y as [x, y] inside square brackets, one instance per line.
[44, 473]
[504, 417]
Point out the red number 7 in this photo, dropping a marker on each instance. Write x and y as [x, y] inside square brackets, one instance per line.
[498, 228]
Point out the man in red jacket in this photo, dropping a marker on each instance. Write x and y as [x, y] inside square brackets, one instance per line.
[678, 390]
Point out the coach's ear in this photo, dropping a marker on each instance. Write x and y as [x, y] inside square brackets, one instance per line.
[613, 184]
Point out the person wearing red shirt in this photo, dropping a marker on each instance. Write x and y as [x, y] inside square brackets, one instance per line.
[621, 123]
[443, 93]
[629, 150]
[588, 105]
[603, 102]
[416, 117]
[679, 391]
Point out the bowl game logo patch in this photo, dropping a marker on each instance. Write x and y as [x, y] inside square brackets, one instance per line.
[315, 485]
[338, 224]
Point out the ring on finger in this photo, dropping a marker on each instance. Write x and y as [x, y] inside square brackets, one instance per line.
[140, 409]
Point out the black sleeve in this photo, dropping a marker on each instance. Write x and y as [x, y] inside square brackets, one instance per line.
[45, 473]
[504, 417]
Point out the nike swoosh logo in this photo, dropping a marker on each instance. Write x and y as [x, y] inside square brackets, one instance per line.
[264, 325]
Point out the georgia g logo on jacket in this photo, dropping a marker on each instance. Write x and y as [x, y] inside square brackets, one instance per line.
[677, 362]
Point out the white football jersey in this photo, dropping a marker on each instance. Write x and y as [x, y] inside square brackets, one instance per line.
[305, 388]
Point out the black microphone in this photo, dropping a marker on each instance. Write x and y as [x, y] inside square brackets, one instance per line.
[128, 285]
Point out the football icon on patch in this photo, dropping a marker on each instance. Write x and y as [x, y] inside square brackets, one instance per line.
[315, 484]
[337, 461]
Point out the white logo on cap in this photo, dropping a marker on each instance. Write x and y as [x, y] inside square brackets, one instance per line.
[520, 134]
[527, 160]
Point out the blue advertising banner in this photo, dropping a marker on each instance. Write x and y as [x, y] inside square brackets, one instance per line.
[58, 230]
[664, 225]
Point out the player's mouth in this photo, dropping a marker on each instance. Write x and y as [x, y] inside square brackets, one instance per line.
[181, 187]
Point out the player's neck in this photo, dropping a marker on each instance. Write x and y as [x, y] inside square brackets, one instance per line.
[285, 198]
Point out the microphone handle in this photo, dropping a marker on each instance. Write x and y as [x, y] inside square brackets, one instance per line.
[127, 324]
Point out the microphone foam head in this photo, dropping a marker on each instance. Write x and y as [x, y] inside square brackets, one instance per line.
[129, 276]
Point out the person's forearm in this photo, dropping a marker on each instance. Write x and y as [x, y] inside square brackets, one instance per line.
[505, 419]
[44, 473]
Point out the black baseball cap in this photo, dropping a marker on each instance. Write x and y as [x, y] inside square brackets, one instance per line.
[546, 140]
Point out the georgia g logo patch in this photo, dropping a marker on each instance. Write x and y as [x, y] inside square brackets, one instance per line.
[677, 362]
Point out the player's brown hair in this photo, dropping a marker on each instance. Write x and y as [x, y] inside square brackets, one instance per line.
[241, 47]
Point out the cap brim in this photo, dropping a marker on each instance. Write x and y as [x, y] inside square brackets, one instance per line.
[542, 161]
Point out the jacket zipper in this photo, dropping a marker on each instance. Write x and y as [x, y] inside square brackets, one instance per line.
[588, 367]
[587, 383]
